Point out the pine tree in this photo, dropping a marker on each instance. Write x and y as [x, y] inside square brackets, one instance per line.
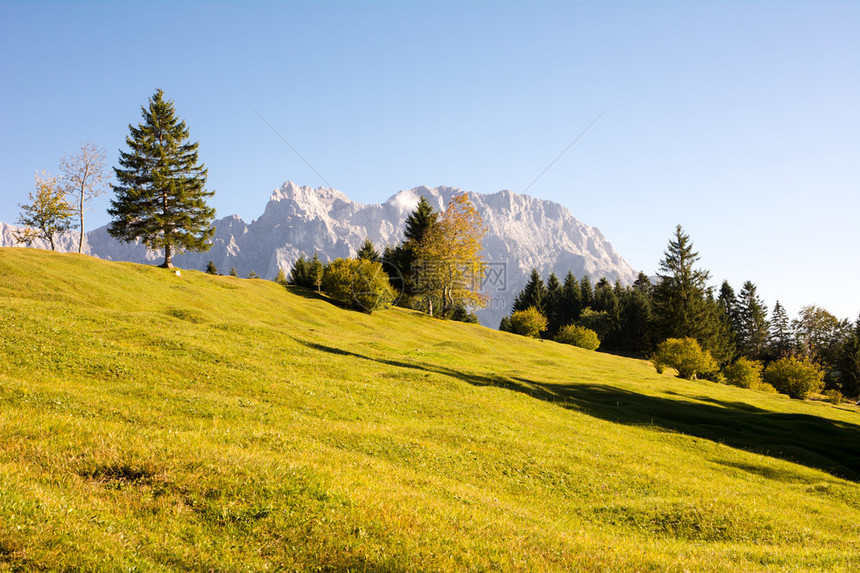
[636, 319]
[849, 363]
[368, 252]
[533, 294]
[606, 301]
[679, 298]
[752, 323]
[315, 271]
[299, 273]
[729, 303]
[553, 303]
[716, 333]
[211, 268]
[233, 272]
[586, 292]
[727, 311]
[571, 301]
[160, 198]
[781, 336]
[253, 274]
[416, 225]
[307, 273]
[643, 283]
[419, 221]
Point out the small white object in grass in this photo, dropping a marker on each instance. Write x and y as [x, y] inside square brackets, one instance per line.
[177, 273]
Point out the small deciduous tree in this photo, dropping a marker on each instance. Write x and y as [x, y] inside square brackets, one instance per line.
[358, 283]
[744, 373]
[684, 355]
[529, 322]
[819, 334]
[578, 336]
[448, 266]
[47, 214]
[598, 321]
[797, 378]
[281, 277]
[84, 178]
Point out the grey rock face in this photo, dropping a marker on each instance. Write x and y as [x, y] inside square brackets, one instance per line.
[522, 233]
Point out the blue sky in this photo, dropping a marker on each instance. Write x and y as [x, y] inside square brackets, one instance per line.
[738, 120]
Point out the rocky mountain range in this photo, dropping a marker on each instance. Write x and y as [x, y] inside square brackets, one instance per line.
[522, 233]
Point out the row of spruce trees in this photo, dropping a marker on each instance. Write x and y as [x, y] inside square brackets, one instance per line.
[680, 304]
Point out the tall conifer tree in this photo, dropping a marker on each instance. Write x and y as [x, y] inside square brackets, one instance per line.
[752, 323]
[533, 294]
[571, 300]
[553, 302]
[849, 363]
[586, 292]
[679, 298]
[160, 196]
[781, 336]
[368, 252]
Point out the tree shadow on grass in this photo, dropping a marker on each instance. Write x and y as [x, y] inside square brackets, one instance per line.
[305, 292]
[816, 442]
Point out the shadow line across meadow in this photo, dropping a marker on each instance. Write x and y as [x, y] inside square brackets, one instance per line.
[828, 445]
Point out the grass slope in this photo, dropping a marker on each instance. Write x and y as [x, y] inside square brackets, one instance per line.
[155, 422]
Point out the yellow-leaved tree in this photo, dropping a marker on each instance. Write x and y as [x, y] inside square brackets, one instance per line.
[48, 213]
[449, 266]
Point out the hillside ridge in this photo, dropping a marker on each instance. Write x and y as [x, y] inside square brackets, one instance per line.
[523, 232]
[199, 422]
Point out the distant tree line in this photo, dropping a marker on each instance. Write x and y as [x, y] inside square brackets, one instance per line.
[732, 331]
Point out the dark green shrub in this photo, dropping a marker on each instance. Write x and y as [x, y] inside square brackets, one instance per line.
[307, 273]
[462, 314]
[578, 336]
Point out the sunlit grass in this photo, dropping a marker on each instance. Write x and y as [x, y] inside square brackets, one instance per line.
[154, 422]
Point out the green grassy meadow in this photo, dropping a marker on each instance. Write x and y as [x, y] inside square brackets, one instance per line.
[150, 422]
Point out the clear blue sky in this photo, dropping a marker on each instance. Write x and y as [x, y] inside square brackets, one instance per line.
[738, 120]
